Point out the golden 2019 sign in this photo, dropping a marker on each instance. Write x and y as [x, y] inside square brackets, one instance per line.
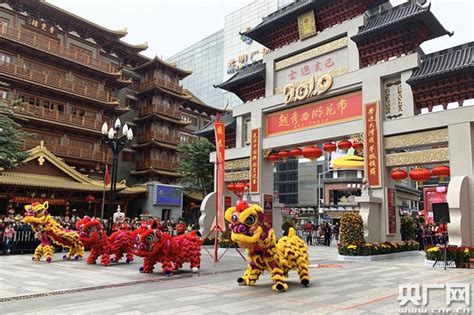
[308, 88]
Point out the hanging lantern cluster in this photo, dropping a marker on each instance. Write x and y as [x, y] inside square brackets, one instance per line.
[238, 187]
[420, 174]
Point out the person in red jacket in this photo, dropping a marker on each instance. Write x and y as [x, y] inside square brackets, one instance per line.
[308, 229]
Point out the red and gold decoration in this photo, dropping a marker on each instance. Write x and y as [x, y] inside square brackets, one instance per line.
[284, 155]
[391, 211]
[296, 152]
[329, 147]
[326, 112]
[358, 146]
[273, 157]
[254, 161]
[441, 171]
[231, 186]
[420, 175]
[398, 174]
[312, 152]
[372, 147]
[344, 145]
[219, 130]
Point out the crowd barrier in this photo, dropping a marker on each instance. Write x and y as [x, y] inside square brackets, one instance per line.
[23, 242]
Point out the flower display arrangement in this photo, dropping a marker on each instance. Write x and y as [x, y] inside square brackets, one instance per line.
[370, 249]
[459, 254]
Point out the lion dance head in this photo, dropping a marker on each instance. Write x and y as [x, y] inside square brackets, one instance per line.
[90, 230]
[36, 213]
[247, 223]
[149, 240]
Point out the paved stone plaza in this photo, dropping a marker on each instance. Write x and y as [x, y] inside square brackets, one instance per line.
[337, 287]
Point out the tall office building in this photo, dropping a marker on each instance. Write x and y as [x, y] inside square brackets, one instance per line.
[205, 58]
[218, 56]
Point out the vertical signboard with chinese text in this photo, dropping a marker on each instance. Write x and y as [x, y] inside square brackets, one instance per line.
[219, 130]
[372, 144]
[254, 160]
[392, 211]
[268, 208]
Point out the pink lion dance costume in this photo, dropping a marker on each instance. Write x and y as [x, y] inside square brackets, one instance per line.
[171, 251]
[92, 234]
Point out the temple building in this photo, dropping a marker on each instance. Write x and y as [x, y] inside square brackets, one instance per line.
[72, 75]
[350, 76]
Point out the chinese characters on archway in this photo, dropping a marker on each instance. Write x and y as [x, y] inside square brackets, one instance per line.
[254, 152]
[337, 109]
[314, 68]
[372, 144]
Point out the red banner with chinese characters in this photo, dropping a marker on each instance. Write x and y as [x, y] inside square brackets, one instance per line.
[326, 112]
[254, 156]
[268, 208]
[56, 202]
[219, 130]
[372, 144]
[392, 211]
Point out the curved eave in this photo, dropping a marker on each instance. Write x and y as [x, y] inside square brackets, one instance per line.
[424, 15]
[154, 143]
[155, 171]
[166, 91]
[77, 19]
[120, 110]
[163, 117]
[157, 61]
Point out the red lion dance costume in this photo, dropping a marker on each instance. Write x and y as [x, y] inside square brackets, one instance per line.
[250, 230]
[171, 251]
[92, 233]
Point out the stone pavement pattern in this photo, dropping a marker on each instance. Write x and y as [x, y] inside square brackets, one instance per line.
[341, 288]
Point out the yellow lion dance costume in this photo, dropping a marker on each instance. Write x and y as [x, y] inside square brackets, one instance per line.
[252, 232]
[51, 232]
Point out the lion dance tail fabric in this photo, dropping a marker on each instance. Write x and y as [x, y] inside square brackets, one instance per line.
[250, 230]
[51, 232]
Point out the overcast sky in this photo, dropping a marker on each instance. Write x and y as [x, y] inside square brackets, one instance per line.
[169, 26]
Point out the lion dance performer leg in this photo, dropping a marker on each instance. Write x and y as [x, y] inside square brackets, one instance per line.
[251, 231]
[51, 232]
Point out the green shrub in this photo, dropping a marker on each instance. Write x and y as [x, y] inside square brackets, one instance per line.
[407, 228]
[352, 229]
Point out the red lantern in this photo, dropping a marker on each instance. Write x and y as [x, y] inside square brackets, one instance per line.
[398, 174]
[329, 147]
[90, 199]
[344, 145]
[239, 187]
[420, 175]
[312, 152]
[273, 157]
[284, 155]
[296, 152]
[231, 186]
[357, 146]
[441, 171]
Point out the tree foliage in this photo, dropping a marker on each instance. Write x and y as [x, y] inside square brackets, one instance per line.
[407, 228]
[11, 137]
[195, 167]
[352, 229]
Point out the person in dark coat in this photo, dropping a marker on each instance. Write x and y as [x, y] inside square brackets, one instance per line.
[327, 234]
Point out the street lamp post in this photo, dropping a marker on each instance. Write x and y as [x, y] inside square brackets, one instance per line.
[116, 143]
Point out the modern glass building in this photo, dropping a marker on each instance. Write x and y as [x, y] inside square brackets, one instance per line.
[217, 57]
[205, 58]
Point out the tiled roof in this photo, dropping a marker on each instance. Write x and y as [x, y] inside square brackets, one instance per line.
[291, 9]
[250, 72]
[208, 130]
[394, 17]
[441, 63]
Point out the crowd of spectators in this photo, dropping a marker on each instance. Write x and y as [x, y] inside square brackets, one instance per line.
[321, 234]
